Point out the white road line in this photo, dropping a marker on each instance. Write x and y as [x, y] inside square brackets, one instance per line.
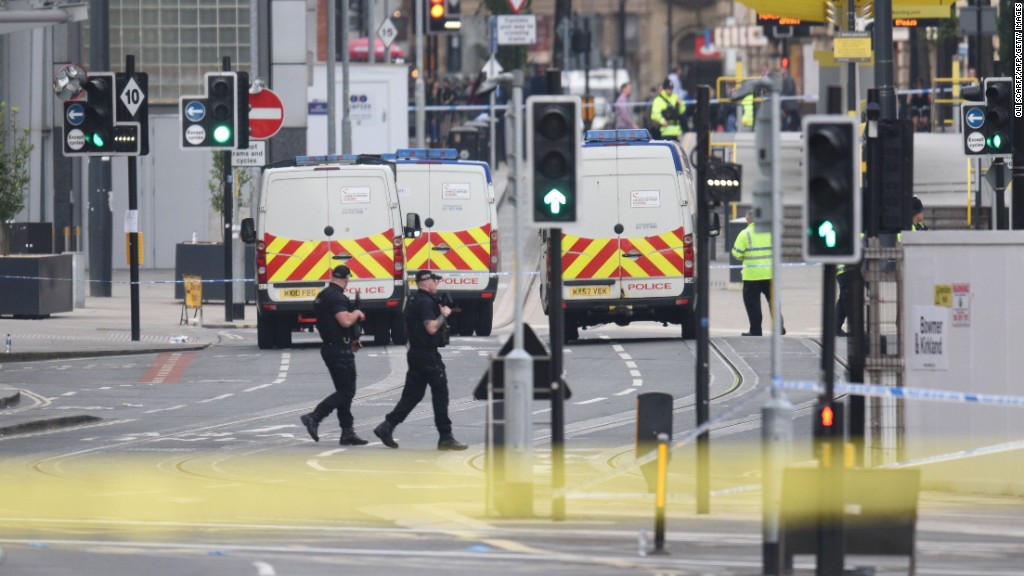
[626, 391]
[630, 364]
[69, 393]
[315, 465]
[638, 382]
[331, 452]
[254, 388]
[541, 411]
[264, 569]
[618, 348]
[221, 397]
[591, 401]
[625, 356]
[634, 373]
[178, 407]
[282, 375]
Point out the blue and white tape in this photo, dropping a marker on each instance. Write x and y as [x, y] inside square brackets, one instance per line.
[933, 395]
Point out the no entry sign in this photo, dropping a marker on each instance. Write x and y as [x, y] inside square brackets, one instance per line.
[266, 114]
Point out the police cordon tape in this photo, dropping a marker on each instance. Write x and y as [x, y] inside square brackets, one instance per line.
[907, 393]
[840, 388]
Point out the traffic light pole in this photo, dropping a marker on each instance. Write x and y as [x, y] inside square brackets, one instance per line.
[557, 325]
[703, 292]
[100, 217]
[133, 231]
[830, 553]
[228, 209]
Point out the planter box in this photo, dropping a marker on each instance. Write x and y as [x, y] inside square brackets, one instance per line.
[36, 286]
[207, 260]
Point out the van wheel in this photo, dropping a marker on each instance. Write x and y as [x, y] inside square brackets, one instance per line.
[467, 319]
[381, 330]
[398, 333]
[264, 331]
[282, 332]
[688, 325]
[484, 317]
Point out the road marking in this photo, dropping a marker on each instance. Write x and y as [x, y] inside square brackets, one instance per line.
[630, 364]
[315, 465]
[221, 397]
[634, 373]
[264, 569]
[638, 382]
[591, 401]
[254, 388]
[178, 407]
[269, 429]
[69, 393]
[542, 411]
[618, 348]
[625, 356]
[331, 452]
[626, 391]
[167, 368]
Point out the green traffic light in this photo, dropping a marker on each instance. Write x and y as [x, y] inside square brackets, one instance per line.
[996, 142]
[221, 134]
[554, 200]
[827, 232]
[97, 140]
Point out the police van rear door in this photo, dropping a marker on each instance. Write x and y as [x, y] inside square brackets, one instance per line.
[650, 198]
[590, 246]
[362, 232]
[294, 219]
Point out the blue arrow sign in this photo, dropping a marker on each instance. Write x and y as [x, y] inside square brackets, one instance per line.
[975, 118]
[76, 114]
[195, 111]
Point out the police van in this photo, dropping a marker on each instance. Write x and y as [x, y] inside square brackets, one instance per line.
[455, 199]
[315, 213]
[631, 254]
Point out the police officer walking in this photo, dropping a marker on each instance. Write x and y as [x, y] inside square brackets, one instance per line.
[337, 324]
[754, 250]
[426, 320]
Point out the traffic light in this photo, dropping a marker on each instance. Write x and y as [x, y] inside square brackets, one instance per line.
[998, 117]
[553, 129]
[219, 119]
[222, 102]
[89, 123]
[724, 180]
[828, 423]
[832, 197]
[443, 16]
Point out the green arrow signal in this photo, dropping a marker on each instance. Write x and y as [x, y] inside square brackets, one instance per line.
[827, 232]
[555, 200]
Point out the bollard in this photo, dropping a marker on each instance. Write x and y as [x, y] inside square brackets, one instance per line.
[659, 496]
[777, 441]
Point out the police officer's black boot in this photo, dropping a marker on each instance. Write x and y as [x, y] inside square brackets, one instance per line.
[311, 422]
[349, 438]
[448, 442]
[383, 431]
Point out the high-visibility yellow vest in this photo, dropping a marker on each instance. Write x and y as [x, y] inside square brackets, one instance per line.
[754, 250]
[748, 110]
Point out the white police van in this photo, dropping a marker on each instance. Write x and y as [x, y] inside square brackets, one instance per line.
[455, 199]
[315, 213]
[631, 254]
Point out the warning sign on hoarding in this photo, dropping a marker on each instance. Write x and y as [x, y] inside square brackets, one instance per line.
[961, 304]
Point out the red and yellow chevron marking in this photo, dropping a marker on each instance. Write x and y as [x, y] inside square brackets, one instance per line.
[589, 257]
[294, 260]
[470, 250]
[661, 255]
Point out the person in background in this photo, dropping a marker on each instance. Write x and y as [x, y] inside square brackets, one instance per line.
[667, 112]
[917, 222]
[624, 108]
[754, 250]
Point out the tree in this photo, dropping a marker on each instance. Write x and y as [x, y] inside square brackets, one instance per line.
[14, 176]
[216, 183]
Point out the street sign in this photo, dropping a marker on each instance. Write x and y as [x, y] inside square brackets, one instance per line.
[492, 68]
[387, 32]
[975, 142]
[195, 111]
[76, 114]
[254, 155]
[974, 118]
[998, 173]
[132, 97]
[516, 30]
[516, 5]
[266, 114]
[542, 376]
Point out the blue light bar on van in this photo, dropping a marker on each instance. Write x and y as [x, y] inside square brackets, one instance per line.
[630, 135]
[425, 153]
[327, 159]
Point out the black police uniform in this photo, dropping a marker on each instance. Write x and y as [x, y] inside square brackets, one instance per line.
[337, 354]
[426, 368]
